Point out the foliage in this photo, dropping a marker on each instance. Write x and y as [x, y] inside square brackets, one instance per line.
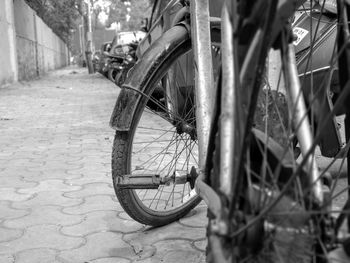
[139, 9]
[60, 16]
[64, 16]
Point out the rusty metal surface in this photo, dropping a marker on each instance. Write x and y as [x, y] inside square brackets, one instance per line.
[204, 87]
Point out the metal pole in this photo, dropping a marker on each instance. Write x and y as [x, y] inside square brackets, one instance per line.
[89, 40]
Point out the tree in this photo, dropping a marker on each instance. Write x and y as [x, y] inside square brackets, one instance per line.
[129, 16]
[140, 9]
[64, 16]
[60, 16]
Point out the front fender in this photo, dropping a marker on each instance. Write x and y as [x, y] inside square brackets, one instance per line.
[136, 82]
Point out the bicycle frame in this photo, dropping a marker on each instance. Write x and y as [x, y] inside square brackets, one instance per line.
[204, 79]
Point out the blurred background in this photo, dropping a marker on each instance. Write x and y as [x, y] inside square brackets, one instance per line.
[42, 35]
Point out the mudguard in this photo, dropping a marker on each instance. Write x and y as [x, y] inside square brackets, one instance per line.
[324, 33]
[136, 82]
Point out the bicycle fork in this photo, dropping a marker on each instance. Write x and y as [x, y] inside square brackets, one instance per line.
[301, 123]
[204, 79]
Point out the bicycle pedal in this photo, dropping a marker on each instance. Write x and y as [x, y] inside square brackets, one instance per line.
[145, 181]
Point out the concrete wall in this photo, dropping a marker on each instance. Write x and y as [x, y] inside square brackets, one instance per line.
[51, 51]
[38, 48]
[25, 39]
[8, 58]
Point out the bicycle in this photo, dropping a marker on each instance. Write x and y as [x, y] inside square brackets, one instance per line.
[266, 202]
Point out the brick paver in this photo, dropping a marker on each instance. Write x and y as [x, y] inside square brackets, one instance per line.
[57, 203]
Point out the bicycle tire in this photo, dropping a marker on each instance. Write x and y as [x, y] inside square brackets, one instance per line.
[124, 142]
[119, 78]
[112, 73]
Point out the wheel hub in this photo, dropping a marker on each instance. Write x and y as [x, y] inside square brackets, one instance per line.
[184, 127]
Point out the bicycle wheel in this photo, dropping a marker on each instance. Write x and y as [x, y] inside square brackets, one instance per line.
[281, 206]
[161, 144]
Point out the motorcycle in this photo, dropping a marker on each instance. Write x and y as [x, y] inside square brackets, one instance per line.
[128, 62]
[113, 65]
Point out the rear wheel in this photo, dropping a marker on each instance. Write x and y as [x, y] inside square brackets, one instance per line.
[272, 211]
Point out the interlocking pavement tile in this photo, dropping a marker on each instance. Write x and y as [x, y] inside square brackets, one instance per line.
[188, 256]
[153, 259]
[54, 164]
[41, 215]
[20, 162]
[70, 153]
[83, 180]
[99, 245]
[63, 157]
[145, 252]
[49, 185]
[7, 258]
[25, 153]
[60, 206]
[200, 244]
[145, 238]
[195, 218]
[64, 167]
[94, 203]
[94, 168]
[46, 174]
[177, 251]
[4, 155]
[9, 234]
[171, 231]
[48, 198]
[123, 215]
[94, 172]
[42, 236]
[96, 159]
[92, 189]
[11, 194]
[110, 260]
[7, 212]
[102, 221]
[14, 181]
[40, 255]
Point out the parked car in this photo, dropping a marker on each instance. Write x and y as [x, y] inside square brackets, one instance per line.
[127, 37]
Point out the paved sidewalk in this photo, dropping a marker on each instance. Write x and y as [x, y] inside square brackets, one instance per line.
[57, 203]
